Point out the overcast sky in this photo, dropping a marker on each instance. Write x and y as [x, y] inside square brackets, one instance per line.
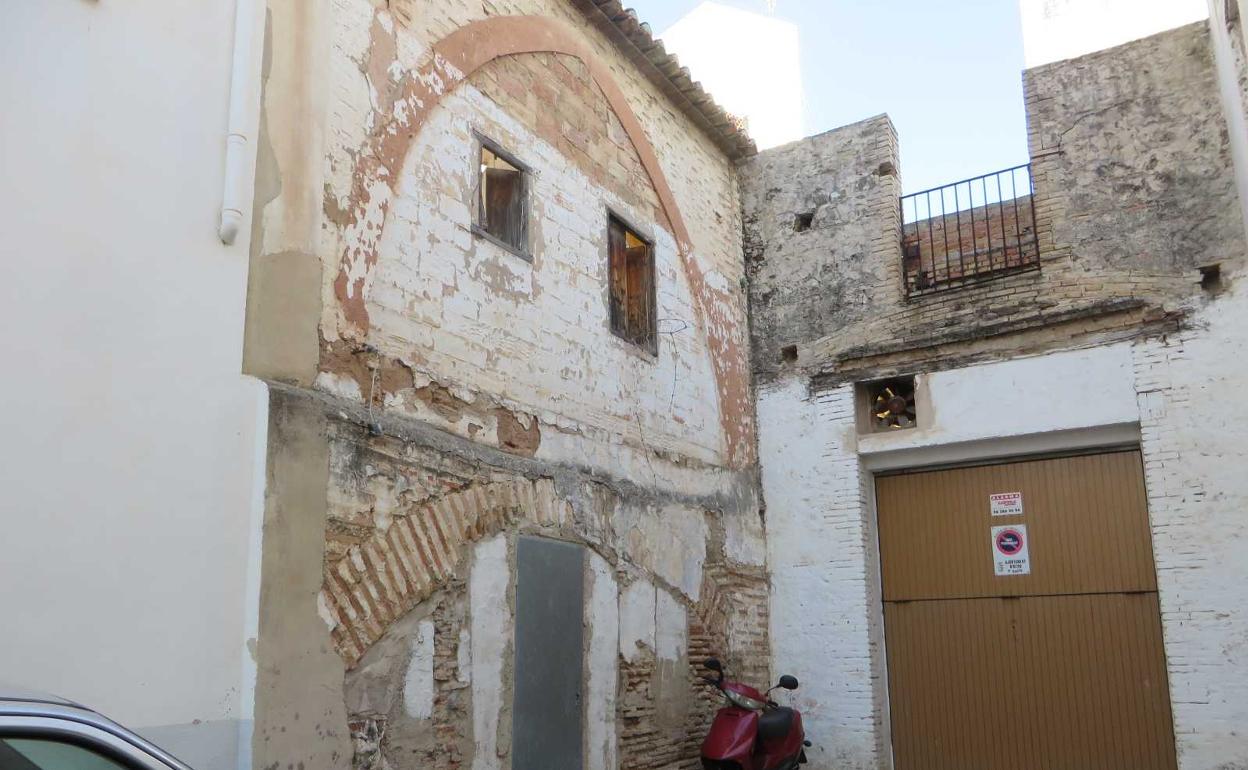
[949, 75]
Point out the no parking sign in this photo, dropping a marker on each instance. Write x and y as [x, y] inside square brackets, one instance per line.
[1009, 550]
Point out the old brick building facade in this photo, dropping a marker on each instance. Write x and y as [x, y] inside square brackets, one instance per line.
[450, 394]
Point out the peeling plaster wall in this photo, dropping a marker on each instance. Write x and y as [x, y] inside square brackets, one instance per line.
[134, 447]
[602, 618]
[421, 528]
[492, 629]
[470, 395]
[530, 337]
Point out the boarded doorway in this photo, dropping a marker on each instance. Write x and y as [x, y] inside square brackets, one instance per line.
[1024, 639]
[546, 713]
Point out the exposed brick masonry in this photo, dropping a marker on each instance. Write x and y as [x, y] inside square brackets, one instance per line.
[1124, 141]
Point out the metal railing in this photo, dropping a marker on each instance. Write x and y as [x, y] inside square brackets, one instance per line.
[970, 231]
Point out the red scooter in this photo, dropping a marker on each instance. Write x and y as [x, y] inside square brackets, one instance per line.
[753, 732]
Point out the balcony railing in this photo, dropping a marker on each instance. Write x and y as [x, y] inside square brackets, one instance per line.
[969, 231]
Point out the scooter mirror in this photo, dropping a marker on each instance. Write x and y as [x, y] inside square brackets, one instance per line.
[713, 664]
[788, 682]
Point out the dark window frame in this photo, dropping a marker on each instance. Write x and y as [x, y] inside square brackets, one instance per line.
[482, 143]
[647, 341]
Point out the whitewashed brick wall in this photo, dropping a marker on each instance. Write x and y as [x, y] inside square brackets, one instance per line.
[826, 621]
[1192, 425]
[826, 617]
[534, 337]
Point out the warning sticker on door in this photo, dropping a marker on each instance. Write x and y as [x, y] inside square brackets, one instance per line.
[1009, 550]
[1006, 504]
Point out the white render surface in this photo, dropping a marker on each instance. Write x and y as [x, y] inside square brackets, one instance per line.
[822, 546]
[602, 665]
[1194, 452]
[418, 686]
[134, 447]
[1060, 391]
[824, 617]
[492, 629]
[637, 619]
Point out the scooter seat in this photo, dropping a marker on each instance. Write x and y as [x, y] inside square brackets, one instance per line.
[775, 723]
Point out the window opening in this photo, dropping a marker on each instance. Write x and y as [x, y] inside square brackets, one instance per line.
[632, 291]
[501, 200]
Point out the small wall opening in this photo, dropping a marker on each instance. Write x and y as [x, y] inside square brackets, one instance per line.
[803, 221]
[1211, 278]
[887, 405]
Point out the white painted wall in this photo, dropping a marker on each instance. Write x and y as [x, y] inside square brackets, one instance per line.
[1024, 398]
[602, 618]
[1054, 30]
[1169, 395]
[749, 63]
[824, 600]
[1194, 458]
[133, 446]
[492, 638]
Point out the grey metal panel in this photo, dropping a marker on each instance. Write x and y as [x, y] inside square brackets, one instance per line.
[546, 714]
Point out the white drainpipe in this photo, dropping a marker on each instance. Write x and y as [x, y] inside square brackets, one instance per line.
[236, 140]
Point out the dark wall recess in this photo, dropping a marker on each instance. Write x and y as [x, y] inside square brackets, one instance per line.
[546, 719]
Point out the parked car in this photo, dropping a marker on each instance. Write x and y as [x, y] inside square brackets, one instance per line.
[44, 732]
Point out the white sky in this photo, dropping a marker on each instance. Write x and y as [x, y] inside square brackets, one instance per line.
[949, 74]
[750, 63]
[1054, 30]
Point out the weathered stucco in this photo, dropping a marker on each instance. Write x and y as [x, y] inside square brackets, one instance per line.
[1133, 192]
[414, 526]
[807, 284]
[300, 714]
[403, 105]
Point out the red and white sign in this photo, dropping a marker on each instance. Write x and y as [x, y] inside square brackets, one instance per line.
[1010, 555]
[1006, 504]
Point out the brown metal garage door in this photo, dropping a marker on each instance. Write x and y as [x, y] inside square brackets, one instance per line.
[1058, 668]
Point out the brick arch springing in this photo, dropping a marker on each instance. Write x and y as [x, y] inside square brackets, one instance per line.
[410, 101]
[380, 580]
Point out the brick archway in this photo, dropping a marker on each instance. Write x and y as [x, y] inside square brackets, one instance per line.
[383, 578]
[406, 108]
[380, 580]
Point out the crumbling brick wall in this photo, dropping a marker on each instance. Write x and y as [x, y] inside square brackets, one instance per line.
[403, 523]
[1133, 192]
